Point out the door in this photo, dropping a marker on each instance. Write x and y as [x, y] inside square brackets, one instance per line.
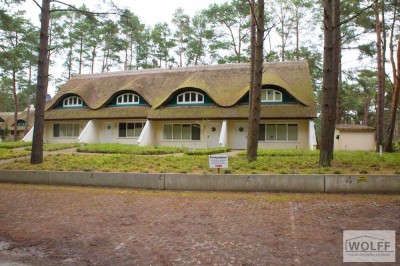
[240, 136]
[108, 132]
[213, 132]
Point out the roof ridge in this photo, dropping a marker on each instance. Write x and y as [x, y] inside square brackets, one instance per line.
[184, 69]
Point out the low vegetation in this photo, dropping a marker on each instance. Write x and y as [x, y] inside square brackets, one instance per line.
[268, 162]
[208, 151]
[9, 154]
[128, 149]
[56, 147]
[14, 144]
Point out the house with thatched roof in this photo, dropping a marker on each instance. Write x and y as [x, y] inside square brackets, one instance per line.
[194, 107]
[24, 123]
[353, 137]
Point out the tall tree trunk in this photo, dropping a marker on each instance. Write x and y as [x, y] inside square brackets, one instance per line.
[394, 105]
[258, 72]
[297, 34]
[250, 152]
[42, 82]
[381, 79]
[395, 96]
[28, 107]
[330, 79]
[80, 54]
[367, 103]
[14, 85]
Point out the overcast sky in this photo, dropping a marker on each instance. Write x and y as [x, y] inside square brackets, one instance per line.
[149, 11]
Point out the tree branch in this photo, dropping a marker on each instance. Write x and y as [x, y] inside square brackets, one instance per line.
[37, 4]
[355, 15]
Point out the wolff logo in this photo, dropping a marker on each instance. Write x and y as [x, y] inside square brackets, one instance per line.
[369, 246]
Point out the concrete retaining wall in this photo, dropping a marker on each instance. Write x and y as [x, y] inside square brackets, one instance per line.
[285, 183]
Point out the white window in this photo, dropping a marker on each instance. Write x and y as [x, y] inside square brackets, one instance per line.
[190, 97]
[278, 132]
[72, 101]
[130, 130]
[127, 98]
[270, 95]
[181, 132]
[66, 130]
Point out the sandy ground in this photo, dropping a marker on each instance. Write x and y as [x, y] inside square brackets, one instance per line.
[44, 225]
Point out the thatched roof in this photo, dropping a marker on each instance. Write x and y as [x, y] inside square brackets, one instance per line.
[354, 128]
[224, 84]
[9, 118]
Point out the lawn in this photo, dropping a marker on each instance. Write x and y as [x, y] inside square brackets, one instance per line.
[9, 153]
[14, 144]
[268, 162]
[56, 147]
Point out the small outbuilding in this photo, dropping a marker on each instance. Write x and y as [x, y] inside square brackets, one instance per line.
[354, 137]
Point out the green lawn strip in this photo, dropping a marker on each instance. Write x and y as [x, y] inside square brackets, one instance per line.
[344, 163]
[208, 151]
[14, 144]
[128, 149]
[9, 154]
[56, 147]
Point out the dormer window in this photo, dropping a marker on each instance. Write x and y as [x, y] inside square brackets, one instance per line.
[127, 98]
[190, 97]
[270, 95]
[72, 101]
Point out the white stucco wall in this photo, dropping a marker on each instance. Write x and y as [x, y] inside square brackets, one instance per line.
[48, 131]
[238, 140]
[90, 133]
[108, 131]
[354, 141]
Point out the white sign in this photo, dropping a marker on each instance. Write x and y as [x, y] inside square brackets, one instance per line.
[369, 246]
[218, 161]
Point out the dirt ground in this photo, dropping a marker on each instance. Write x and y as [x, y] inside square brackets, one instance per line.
[44, 225]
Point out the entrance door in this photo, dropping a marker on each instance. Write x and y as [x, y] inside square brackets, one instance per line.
[213, 132]
[240, 136]
[108, 132]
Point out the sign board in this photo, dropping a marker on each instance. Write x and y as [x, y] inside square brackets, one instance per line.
[218, 161]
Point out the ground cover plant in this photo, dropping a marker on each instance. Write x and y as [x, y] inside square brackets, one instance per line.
[208, 151]
[9, 153]
[14, 144]
[56, 146]
[268, 162]
[127, 149]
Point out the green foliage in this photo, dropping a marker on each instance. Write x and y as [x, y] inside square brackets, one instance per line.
[269, 162]
[14, 144]
[7, 153]
[128, 149]
[208, 151]
[56, 146]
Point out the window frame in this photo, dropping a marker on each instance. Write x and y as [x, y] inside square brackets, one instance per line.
[128, 126]
[135, 99]
[65, 126]
[73, 101]
[266, 92]
[186, 98]
[277, 136]
[182, 133]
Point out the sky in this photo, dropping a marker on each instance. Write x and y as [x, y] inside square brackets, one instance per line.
[150, 12]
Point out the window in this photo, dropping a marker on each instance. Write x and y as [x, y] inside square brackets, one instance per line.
[130, 130]
[181, 132]
[72, 101]
[190, 97]
[278, 132]
[127, 98]
[270, 95]
[65, 130]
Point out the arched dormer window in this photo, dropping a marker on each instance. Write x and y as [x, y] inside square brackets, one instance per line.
[127, 98]
[72, 101]
[190, 97]
[271, 95]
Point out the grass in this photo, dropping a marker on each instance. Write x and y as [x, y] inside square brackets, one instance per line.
[14, 144]
[268, 162]
[128, 149]
[56, 147]
[208, 151]
[9, 154]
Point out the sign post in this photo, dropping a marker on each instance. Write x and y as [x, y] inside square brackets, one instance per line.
[218, 162]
